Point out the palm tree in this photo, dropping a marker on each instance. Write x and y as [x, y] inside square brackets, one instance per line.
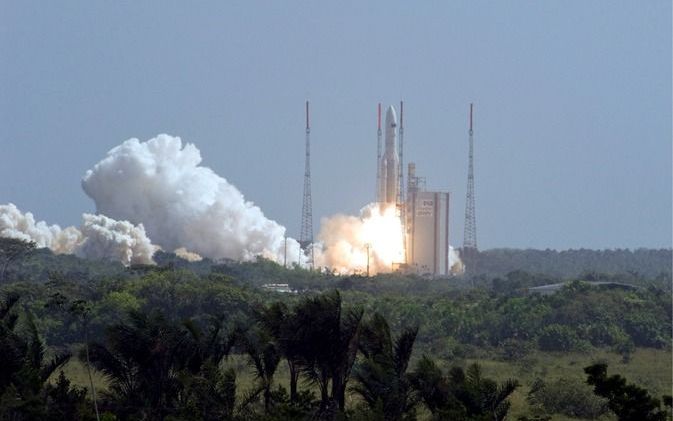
[24, 369]
[328, 338]
[314, 331]
[485, 396]
[208, 393]
[344, 352]
[432, 387]
[381, 375]
[460, 394]
[148, 359]
[283, 325]
[264, 358]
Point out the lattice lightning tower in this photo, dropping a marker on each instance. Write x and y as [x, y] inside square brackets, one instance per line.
[306, 234]
[470, 234]
[400, 172]
[378, 156]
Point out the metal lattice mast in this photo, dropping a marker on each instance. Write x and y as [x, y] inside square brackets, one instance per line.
[378, 157]
[400, 172]
[401, 195]
[470, 233]
[306, 234]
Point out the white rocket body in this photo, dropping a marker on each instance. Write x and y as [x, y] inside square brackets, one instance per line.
[390, 163]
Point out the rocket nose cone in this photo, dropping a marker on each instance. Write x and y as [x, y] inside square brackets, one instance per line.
[391, 117]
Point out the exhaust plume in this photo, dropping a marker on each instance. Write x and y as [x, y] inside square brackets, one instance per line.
[347, 240]
[455, 263]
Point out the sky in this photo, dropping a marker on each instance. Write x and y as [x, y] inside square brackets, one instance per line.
[573, 144]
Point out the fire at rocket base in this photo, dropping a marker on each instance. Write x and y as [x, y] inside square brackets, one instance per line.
[389, 165]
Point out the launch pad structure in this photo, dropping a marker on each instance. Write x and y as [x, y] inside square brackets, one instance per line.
[424, 215]
[427, 228]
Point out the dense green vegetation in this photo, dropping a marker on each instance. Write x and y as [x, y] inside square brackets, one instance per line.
[170, 341]
[647, 263]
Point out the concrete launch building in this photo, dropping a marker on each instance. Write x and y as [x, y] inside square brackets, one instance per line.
[424, 214]
[427, 228]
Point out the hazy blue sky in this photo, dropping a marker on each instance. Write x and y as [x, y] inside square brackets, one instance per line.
[572, 100]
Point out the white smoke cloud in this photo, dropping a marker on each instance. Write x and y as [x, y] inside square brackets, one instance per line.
[105, 238]
[159, 186]
[22, 226]
[187, 255]
[99, 237]
[181, 204]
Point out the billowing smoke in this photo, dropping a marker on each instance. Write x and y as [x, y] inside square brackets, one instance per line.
[183, 253]
[22, 226]
[98, 237]
[181, 204]
[105, 238]
[349, 243]
[157, 189]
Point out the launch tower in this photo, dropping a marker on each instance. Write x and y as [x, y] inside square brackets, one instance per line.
[378, 154]
[306, 234]
[470, 233]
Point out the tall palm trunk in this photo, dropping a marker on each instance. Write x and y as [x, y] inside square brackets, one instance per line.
[93, 388]
[88, 370]
[267, 397]
[294, 378]
[339, 391]
[324, 385]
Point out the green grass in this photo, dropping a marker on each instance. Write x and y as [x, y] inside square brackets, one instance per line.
[649, 368]
[76, 372]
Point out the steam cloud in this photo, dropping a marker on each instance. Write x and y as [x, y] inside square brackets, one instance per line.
[105, 238]
[99, 237]
[181, 204]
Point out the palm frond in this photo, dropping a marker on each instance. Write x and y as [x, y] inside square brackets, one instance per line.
[404, 346]
[473, 375]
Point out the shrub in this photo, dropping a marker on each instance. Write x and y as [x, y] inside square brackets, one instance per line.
[557, 337]
[570, 397]
[514, 350]
[606, 334]
[646, 330]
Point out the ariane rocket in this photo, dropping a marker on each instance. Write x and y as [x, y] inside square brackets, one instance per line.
[389, 166]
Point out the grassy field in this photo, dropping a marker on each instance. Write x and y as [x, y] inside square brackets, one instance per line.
[649, 368]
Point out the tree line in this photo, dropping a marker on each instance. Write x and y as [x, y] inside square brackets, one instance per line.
[163, 369]
[374, 347]
[648, 263]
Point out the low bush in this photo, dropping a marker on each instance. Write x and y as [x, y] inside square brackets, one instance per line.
[570, 397]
